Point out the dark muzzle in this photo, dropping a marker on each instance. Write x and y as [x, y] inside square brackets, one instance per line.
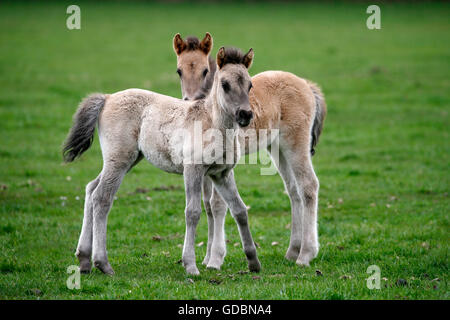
[243, 117]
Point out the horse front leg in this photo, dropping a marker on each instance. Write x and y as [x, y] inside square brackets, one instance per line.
[193, 178]
[226, 187]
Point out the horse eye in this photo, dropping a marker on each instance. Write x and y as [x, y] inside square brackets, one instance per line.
[225, 86]
[250, 86]
[179, 72]
[205, 72]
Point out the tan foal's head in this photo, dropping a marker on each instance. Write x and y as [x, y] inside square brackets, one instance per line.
[193, 65]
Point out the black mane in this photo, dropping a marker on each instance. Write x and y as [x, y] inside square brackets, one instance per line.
[192, 43]
[233, 55]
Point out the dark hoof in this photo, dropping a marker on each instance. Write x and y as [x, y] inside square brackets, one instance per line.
[85, 263]
[192, 270]
[104, 267]
[292, 254]
[254, 266]
[85, 267]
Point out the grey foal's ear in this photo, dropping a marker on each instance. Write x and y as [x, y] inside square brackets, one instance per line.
[221, 57]
[178, 44]
[248, 58]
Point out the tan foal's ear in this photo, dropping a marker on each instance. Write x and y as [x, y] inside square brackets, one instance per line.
[221, 57]
[178, 44]
[206, 44]
[248, 58]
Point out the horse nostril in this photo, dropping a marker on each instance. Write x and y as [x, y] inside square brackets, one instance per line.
[247, 115]
[185, 99]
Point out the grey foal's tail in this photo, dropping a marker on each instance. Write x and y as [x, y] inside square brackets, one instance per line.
[81, 134]
[319, 118]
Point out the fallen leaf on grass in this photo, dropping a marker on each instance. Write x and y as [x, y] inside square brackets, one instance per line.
[401, 282]
[215, 281]
[166, 188]
[425, 245]
[319, 273]
[35, 291]
[157, 238]
[256, 277]
[30, 183]
[138, 190]
[200, 244]
[275, 243]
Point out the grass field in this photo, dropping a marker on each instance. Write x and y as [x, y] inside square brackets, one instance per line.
[383, 159]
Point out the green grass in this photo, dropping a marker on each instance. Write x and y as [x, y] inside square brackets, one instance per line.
[383, 159]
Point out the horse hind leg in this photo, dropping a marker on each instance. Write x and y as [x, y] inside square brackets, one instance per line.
[115, 166]
[218, 246]
[207, 193]
[102, 199]
[308, 185]
[84, 248]
[296, 204]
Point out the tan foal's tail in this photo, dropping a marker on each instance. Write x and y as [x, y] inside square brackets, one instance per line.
[319, 118]
[81, 134]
